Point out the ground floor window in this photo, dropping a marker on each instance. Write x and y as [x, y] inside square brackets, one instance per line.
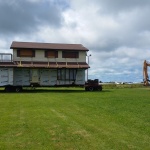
[72, 74]
[66, 74]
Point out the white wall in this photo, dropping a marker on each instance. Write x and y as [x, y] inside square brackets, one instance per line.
[40, 56]
[6, 76]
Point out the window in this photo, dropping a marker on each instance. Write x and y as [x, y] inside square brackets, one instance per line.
[70, 54]
[25, 53]
[66, 74]
[72, 74]
[61, 74]
[51, 54]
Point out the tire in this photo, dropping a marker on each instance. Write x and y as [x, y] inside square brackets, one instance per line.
[18, 89]
[7, 89]
[86, 89]
[99, 88]
[91, 88]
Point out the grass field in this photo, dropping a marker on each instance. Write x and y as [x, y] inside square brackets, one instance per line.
[72, 119]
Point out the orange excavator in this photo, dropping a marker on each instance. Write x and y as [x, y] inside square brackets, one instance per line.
[146, 79]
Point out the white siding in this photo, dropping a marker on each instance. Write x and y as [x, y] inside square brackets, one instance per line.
[40, 56]
[80, 77]
[21, 77]
[48, 77]
[6, 76]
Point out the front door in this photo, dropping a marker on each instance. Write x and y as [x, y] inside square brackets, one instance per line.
[35, 76]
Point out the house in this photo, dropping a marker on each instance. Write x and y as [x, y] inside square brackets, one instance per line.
[46, 64]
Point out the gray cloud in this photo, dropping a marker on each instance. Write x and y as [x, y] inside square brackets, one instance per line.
[21, 16]
[118, 6]
[118, 23]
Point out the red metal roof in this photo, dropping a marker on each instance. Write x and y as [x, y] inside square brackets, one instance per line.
[7, 64]
[45, 64]
[51, 46]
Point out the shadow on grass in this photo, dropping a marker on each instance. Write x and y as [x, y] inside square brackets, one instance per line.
[55, 90]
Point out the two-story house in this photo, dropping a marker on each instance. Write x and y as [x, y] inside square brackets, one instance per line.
[47, 64]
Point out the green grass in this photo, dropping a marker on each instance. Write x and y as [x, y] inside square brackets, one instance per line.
[119, 86]
[72, 119]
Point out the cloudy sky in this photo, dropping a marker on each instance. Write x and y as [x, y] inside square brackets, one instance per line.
[117, 32]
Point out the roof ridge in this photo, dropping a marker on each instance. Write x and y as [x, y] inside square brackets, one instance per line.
[38, 45]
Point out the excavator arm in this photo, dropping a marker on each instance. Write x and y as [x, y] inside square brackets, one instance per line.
[145, 73]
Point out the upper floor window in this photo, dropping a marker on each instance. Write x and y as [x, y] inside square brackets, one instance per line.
[51, 54]
[70, 54]
[25, 53]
